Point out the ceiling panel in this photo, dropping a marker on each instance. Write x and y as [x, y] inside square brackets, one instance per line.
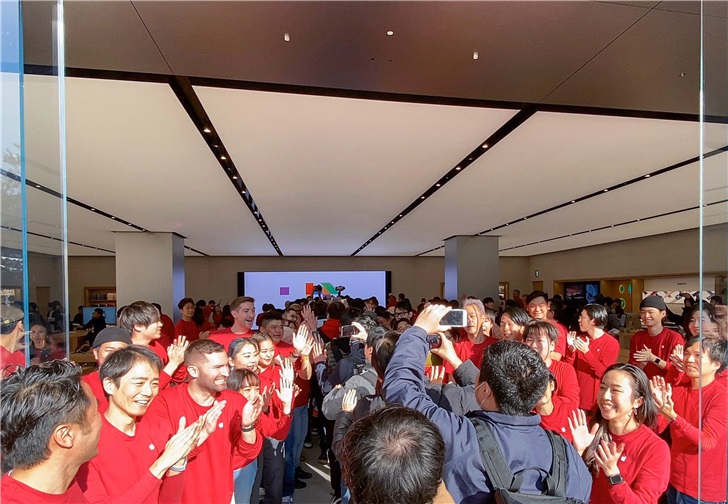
[327, 173]
[134, 153]
[550, 159]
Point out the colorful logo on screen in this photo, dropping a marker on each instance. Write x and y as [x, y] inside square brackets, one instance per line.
[326, 289]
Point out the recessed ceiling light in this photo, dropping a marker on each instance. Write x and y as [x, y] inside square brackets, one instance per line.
[93, 209]
[390, 33]
[458, 168]
[647, 176]
[37, 185]
[475, 55]
[207, 130]
[485, 146]
[223, 158]
[286, 37]
[438, 185]
[605, 190]
[422, 197]
[573, 201]
[215, 145]
[113, 217]
[235, 177]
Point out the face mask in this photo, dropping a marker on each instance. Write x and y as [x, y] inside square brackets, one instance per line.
[484, 399]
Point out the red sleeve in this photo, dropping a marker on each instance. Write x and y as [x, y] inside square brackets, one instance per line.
[561, 342]
[632, 349]
[600, 361]
[651, 481]
[172, 487]
[569, 357]
[91, 481]
[673, 376]
[274, 424]
[568, 385]
[714, 428]
[164, 380]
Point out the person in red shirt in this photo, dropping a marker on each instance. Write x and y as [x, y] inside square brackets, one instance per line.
[135, 462]
[106, 342]
[696, 413]
[167, 337]
[541, 336]
[242, 310]
[192, 325]
[650, 349]
[555, 411]
[518, 299]
[12, 333]
[471, 347]
[332, 327]
[209, 472]
[591, 354]
[537, 306]
[512, 323]
[625, 456]
[143, 321]
[45, 455]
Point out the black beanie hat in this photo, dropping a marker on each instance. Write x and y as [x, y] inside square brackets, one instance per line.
[653, 302]
[112, 334]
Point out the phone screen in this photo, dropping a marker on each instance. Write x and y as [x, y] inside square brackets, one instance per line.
[348, 331]
[455, 318]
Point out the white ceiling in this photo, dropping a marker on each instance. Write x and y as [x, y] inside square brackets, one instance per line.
[329, 172]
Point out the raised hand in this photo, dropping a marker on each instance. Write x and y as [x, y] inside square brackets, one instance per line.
[436, 374]
[607, 455]
[251, 410]
[210, 421]
[266, 394]
[176, 351]
[662, 394]
[581, 344]
[677, 357]
[429, 319]
[447, 351]
[580, 433]
[287, 369]
[644, 355]
[285, 394]
[570, 337]
[299, 339]
[317, 351]
[361, 333]
[309, 318]
[181, 444]
[348, 403]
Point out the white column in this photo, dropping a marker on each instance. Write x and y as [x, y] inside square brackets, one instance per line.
[471, 267]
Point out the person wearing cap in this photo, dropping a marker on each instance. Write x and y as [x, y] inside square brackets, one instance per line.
[11, 335]
[650, 348]
[108, 341]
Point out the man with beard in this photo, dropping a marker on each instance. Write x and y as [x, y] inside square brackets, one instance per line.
[209, 474]
[243, 312]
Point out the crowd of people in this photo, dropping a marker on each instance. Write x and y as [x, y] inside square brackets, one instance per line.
[530, 397]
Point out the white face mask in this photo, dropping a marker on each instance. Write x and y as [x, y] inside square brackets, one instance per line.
[484, 399]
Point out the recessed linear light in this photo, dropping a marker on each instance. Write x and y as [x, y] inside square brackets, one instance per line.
[390, 33]
[207, 130]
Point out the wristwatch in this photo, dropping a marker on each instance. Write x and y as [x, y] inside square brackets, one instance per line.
[615, 479]
[180, 468]
[657, 360]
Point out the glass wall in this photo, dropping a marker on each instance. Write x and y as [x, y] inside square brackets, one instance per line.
[34, 244]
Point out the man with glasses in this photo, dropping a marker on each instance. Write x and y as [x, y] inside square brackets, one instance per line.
[403, 310]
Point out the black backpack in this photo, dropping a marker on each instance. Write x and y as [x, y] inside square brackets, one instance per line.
[506, 486]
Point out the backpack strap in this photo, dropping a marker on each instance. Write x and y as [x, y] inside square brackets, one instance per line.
[556, 479]
[496, 467]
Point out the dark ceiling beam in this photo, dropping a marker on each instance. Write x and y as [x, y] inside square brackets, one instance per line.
[191, 102]
[483, 147]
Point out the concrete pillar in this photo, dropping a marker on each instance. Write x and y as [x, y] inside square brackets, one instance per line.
[150, 267]
[471, 267]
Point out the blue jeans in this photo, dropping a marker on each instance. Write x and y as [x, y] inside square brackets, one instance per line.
[294, 447]
[244, 479]
[675, 496]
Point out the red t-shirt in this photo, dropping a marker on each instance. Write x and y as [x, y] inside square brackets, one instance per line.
[158, 349]
[644, 467]
[561, 342]
[209, 474]
[15, 492]
[591, 366]
[331, 328]
[190, 329]
[120, 473]
[97, 388]
[167, 336]
[685, 435]
[567, 386]
[660, 345]
[286, 349]
[558, 421]
[226, 336]
[10, 360]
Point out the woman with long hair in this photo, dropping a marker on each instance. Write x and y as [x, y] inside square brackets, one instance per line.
[513, 322]
[629, 462]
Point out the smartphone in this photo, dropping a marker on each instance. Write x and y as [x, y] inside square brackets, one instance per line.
[434, 341]
[455, 318]
[348, 331]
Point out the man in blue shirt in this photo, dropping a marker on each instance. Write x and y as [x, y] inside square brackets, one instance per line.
[512, 380]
